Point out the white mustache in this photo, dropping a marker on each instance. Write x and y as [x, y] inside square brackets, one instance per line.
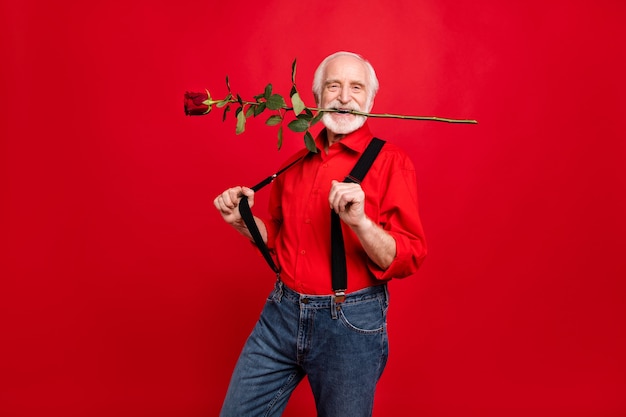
[336, 105]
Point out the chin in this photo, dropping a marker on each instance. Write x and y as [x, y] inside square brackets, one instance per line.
[342, 127]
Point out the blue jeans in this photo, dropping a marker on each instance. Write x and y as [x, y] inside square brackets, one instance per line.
[342, 348]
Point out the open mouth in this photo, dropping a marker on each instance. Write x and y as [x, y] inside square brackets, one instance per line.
[343, 111]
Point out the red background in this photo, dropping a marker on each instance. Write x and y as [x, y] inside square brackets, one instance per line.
[123, 293]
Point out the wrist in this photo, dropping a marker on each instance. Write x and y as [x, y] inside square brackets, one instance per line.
[239, 224]
[363, 225]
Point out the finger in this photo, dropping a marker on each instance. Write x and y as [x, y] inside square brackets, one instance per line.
[222, 206]
[351, 199]
[333, 195]
[228, 200]
[333, 199]
[248, 192]
[232, 197]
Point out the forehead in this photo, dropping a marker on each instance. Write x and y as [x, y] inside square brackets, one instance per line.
[346, 68]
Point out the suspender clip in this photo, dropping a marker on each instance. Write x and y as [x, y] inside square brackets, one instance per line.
[340, 296]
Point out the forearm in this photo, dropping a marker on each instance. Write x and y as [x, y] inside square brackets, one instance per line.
[241, 227]
[379, 245]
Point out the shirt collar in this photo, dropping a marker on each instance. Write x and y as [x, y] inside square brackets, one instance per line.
[357, 140]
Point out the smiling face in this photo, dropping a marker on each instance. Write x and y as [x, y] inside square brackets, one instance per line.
[345, 86]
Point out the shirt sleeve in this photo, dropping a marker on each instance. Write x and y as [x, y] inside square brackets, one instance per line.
[399, 216]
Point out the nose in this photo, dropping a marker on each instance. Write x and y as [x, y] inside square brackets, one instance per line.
[344, 95]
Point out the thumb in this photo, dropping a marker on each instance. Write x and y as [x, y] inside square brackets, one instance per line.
[248, 192]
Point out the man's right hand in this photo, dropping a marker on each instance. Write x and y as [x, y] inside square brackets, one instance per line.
[227, 204]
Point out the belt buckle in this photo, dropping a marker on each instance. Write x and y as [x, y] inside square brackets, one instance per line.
[340, 296]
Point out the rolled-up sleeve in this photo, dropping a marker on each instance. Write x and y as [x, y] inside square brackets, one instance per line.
[399, 216]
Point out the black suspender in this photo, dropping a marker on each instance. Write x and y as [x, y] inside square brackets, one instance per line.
[337, 250]
[338, 255]
[248, 219]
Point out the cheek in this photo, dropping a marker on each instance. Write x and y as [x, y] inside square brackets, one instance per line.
[327, 98]
[365, 104]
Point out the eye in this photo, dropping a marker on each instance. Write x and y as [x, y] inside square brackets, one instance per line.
[357, 88]
[332, 87]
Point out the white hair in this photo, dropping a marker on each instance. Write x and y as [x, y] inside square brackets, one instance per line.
[318, 78]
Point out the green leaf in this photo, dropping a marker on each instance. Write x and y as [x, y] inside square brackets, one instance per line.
[298, 104]
[241, 123]
[239, 100]
[275, 102]
[298, 125]
[293, 72]
[293, 91]
[250, 111]
[280, 138]
[228, 84]
[226, 110]
[274, 120]
[259, 108]
[268, 91]
[305, 117]
[309, 142]
[317, 117]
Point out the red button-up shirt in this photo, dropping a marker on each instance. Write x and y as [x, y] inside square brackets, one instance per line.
[299, 224]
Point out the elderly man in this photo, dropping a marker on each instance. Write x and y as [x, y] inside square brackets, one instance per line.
[335, 337]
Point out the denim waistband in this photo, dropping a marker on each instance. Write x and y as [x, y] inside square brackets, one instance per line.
[325, 301]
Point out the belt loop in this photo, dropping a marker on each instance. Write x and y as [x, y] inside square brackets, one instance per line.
[334, 308]
[279, 291]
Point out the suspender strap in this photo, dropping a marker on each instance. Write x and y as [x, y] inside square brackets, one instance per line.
[365, 161]
[271, 178]
[248, 218]
[338, 252]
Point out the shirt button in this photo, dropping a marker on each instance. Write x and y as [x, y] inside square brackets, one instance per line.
[302, 252]
[308, 221]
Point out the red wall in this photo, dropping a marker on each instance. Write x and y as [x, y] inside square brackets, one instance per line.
[123, 293]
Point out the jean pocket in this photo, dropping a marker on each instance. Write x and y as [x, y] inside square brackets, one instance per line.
[365, 317]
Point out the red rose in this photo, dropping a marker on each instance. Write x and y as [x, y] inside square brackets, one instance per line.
[197, 104]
